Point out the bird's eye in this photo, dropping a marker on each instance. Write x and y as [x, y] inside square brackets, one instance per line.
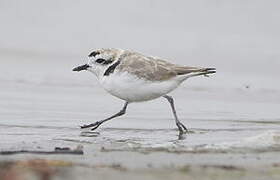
[100, 61]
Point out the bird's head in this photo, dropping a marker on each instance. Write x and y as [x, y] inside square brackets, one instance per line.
[100, 60]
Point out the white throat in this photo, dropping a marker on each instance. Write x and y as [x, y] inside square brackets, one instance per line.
[98, 71]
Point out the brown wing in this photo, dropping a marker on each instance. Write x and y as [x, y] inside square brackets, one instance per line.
[152, 68]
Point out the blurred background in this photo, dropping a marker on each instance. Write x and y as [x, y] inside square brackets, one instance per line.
[238, 37]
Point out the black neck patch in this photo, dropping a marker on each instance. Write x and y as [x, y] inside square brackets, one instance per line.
[111, 69]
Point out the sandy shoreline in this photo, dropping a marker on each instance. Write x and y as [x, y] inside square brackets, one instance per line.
[53, 168]
[228, 140]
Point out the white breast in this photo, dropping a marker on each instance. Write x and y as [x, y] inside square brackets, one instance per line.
[132, 89]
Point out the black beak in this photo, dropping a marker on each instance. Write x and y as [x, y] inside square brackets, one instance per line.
[81, 68]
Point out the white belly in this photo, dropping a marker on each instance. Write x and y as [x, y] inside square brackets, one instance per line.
[132, 89]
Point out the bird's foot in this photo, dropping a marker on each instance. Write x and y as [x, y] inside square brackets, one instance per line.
[93, 125]
[182, 128]
[182, 131]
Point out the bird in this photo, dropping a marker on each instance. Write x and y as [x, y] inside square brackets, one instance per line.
[134, 77]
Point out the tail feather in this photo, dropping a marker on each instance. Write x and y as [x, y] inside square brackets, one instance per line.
[205, 73]
[191, 71]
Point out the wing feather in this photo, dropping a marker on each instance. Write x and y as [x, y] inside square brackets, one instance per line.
[156, 69]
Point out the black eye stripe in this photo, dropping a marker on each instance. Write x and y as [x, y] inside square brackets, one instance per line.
[103, 61]
[108, 62]
[100, 60]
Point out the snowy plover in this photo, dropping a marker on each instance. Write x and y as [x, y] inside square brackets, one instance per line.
[134, 77]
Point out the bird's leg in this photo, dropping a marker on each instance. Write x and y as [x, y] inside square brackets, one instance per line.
[182, 128]
[98, 123]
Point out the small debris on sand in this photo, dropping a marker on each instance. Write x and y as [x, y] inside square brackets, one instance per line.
[57, 150]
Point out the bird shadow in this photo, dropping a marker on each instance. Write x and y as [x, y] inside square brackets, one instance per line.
[182, 136]
[89, 134]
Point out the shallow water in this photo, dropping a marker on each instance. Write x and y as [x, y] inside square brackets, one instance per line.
[41, 111]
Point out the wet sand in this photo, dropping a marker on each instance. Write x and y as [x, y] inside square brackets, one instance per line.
[235, 132]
